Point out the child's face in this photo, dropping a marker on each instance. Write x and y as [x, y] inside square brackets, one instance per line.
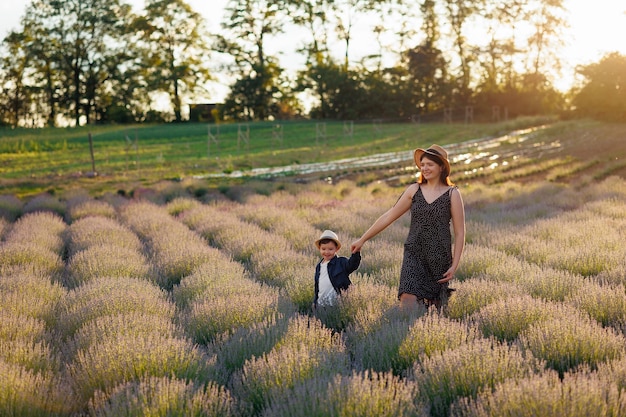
[328, 250]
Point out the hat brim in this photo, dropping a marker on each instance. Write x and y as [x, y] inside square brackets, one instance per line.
[338, 243]
[417, 155]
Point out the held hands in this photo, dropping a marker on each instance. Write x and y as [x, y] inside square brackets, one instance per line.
[356, 246]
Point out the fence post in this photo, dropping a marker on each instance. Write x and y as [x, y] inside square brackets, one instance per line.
[243, 135]
[495, 113]
[277, 134]
[130, 144]
[93, 160]
[377, 126]
[447, 115]
[212, 138]
[469, 114]
[137, 150]
[320, 132]
[348, 128]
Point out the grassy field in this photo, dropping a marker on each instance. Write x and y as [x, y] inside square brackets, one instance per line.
[32, 161]
[193, 297]
[126, 158]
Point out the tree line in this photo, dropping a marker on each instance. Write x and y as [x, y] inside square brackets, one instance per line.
[98, 61]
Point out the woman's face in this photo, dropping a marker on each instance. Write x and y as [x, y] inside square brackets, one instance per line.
[430, 169]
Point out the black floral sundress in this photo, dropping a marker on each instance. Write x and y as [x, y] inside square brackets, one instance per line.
[428, 247]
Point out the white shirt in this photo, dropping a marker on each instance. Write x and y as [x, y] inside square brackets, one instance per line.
[327, 294]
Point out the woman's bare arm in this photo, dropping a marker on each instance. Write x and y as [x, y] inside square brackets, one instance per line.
[458, 226]
[402, 206]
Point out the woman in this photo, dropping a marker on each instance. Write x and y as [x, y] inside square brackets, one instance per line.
[429, 260]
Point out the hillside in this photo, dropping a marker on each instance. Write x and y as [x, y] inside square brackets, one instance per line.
[124, 159]
[561, 152]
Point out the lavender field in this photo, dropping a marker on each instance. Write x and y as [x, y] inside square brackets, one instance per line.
[201, 306]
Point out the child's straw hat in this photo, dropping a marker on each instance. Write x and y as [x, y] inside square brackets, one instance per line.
[328, 234]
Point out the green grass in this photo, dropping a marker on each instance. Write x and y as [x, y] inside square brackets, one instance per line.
[35, 160]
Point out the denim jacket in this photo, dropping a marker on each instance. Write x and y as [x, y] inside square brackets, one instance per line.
[339, 269]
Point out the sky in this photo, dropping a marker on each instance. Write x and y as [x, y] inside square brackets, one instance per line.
[597, 27]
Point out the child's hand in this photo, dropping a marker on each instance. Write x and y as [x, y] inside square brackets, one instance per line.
[356, 246]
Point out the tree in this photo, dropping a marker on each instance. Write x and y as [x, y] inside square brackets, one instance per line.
[603, 96]
[45, 61]
[127, 98]
[546, 39]
[173, 40]
[387, 94]
[79, 33]
[249, 25]
[242, 105]
[311, 15]
[339, 91]
[346, 12]
[401, 18]
[427, 67]
[342, 94]
[458, 12]
[427, 72]
[503, 51]
[70, 47]
[14, 99]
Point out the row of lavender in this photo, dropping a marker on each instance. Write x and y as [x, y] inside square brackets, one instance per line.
[113, 307]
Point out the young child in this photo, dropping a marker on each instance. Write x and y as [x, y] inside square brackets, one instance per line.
[332, 272]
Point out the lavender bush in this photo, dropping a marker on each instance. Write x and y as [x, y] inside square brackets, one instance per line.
[164, 396]
[204, 306]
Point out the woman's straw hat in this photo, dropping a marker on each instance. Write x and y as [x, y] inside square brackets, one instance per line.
[432, 150]
[328, 234]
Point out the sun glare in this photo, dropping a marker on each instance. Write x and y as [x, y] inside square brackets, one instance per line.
[598, 28]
